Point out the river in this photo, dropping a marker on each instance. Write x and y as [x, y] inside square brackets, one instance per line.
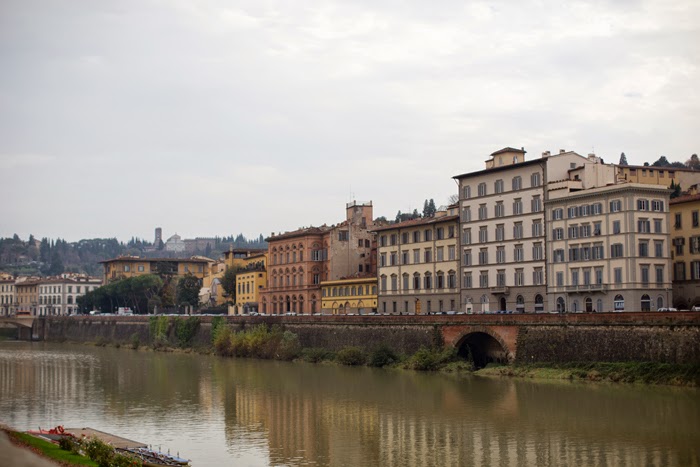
[219, 411]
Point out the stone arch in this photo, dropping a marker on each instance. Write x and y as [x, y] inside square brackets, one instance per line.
[484, 345]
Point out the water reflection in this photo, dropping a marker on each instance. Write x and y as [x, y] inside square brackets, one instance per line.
[273, 413]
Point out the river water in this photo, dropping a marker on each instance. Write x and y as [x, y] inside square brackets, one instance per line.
[219, 411]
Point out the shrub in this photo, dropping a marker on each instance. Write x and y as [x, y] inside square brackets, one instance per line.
[102, 342]
[217, 324]
[186, 329]
[288, 347]
[316, 355]
[105, 455]
[382, 356]
[222, 343]
[430, 359]
[351, 356]
[70, 444]
[135, 341]
[158, 330]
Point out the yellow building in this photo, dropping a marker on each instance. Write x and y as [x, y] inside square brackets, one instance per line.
[239, 257]
[658, 175]
[349, 296]
[27, 296]
[251, 279]
[212, 293]
[685, 250]
[124, 267]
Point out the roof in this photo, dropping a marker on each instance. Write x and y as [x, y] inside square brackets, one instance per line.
[415, 222]
[508, 149]
[658, 167]
[501, 168]
[299, 233]
[135, 259]
[685, 199]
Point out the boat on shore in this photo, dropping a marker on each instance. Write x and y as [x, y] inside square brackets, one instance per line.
[130, 448]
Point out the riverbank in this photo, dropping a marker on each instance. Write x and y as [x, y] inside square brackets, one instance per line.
[23, 449]
[609, 372]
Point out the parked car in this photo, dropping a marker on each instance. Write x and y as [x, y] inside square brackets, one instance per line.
[668, 309]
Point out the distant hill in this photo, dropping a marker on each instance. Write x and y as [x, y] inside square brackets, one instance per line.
[54, 256]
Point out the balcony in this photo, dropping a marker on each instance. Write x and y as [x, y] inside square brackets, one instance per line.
[587, 288]
[499, 290]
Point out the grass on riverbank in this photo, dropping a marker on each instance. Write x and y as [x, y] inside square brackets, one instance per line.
[48, 450]
[618, 372]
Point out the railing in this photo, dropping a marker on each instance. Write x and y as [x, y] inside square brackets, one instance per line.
[502, 289]
[587, 288]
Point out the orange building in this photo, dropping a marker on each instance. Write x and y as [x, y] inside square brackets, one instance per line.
[124, 267]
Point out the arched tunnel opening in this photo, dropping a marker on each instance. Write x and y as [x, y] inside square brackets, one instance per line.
[481, 349]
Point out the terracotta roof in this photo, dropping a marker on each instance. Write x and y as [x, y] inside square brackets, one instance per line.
[151, 260]
[685, 199]
[502, 167]
[299, 233]
[415, 222]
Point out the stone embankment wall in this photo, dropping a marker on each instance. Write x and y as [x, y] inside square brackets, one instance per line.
[560, 344]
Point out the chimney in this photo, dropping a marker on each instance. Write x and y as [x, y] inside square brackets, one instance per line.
[562, 151]
[546, 154]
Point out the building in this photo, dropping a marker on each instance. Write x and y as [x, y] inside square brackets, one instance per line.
[175, 244]
[418, 264]
[502, 223]
[59, 296]
[300, 260]
[250, 281]
[685, 250]
[7, 295]
[608, 248]
[27, 295]
[124, 267]
[662, 176]
[349, 296]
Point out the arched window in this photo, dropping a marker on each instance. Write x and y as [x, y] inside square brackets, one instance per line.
[619, 303]
[561, 306]
[589, 305]
[520, 304]
[484, 303]
[599, 305]
[659, 302]
[646, 303]
[574, 306]
[539, 303]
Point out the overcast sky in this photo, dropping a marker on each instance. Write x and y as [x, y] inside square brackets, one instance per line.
[219, 117]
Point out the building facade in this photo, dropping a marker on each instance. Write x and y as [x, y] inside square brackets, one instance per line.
[685, 250]
[27, 296]
[300, 260]
[349, 296]
[124, 267]
[7, 296]
[502, 230]
[609, 248]
[250, 281]
[59, 296]
[418, 265]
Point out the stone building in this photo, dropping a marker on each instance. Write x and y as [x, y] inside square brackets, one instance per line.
[59, 296]
[502, 230]
[418, 264]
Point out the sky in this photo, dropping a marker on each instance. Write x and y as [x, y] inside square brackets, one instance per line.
[223, 117]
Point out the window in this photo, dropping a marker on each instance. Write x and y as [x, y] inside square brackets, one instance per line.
[467, 192]
[482, 189]
[451, 255]
[428, 281]
[583, 210]
[645, 275]
[416, 281]
[659, 275]
[657, 205]
[537, 252]
[585, 230]
[500, 211]
[141, 268]
[392, 239]
[694, 244]
[642, 205]
[619, 303]
[679, 271]
[646, 303]
[537, 228]
[392, 258]
[498, 186]
[428, 255]
[519, 277]
[519, 253]
[574, 277]
[483, 235]
[500, 232]
[467, 258]
[573, 231]
[501, 254]
[615, 205]
[483, 279]
[643, 248]
[382, 282]
[451, 231]
[517, 206]
[483, 214]
[658, 226]
[558, 233]
[659, 248]
[599, 276]
[416, 256]
[428, 235]
[559, 255]
[393, 282]
[440, 253]
[501, 278]
[344, 236]
[440, 233]
[694, 270]
[643, 226]
[127, 268]
[696, 220]
[466, 217]
[517, 183]
[678, 221]
[467, 280]
[597, 208]
[467, 236]
[484, 256]
[518, 230]
[382, 240]
[536, 204]
[535, 179]
[572, 212]
[616, 250]
[404, 238]
[382, 260]
[557, 214]
[404, 257]
[679, 243]
[538, 276]
[616, 227]
[451, 280]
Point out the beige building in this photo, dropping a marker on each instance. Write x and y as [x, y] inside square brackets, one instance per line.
[131, 266]
[662, 176]
[59, 296]
[7, 295]
[418, 264]
[502, 230]
[27, 296]
[608, 247]
[685, 250]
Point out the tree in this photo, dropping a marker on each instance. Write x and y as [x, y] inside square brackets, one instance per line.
[623, 159]
[426, 209]
[398, 216]
[661, 162]
[228, 283]
[431, 207]
[188, 290]
[676, 189]
[453, 199]
[693, 162]
[56, 267]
